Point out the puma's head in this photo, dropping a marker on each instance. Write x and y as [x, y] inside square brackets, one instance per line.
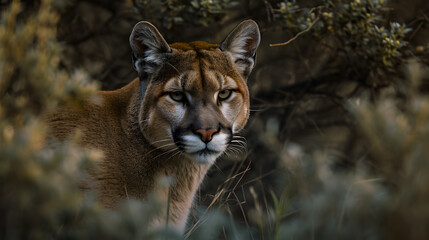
[194, 95]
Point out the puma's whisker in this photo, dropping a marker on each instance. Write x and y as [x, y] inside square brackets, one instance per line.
[178, 152]
[240, 142]
[160, 147]
[162, 140]
[164, 153]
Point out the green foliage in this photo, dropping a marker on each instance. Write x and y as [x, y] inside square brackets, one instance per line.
[174, 12]
[29, 60]
[358, 29]
[39, 184]
[383, 197]
[369, 202]
[215, 224]
[281, 206]
[396, 133]
[333, 205]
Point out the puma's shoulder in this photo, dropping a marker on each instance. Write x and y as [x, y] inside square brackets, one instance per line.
[106, 110]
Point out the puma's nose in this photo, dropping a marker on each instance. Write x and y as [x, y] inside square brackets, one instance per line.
[206, 134]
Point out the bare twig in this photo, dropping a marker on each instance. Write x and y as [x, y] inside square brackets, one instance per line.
[297, 35]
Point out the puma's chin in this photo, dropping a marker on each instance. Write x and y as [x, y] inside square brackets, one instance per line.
[205, 156]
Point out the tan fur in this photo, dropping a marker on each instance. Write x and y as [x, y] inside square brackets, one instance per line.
[135, 134]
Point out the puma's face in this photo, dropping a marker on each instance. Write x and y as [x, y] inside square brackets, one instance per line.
[198, 106]
[196, 97]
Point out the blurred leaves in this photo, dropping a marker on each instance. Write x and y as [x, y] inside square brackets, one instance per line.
[29, 66]
[359, 33]
[177, 12]
[379, 197]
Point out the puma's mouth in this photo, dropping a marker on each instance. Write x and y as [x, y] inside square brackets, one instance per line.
[200, 151]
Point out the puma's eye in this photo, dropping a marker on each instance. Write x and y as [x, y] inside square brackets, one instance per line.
[224, 94]
[177, 96]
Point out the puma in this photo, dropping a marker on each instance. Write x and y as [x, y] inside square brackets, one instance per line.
[182, 112]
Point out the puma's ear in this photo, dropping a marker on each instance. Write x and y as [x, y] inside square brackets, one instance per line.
[149, 47]
[241, 44]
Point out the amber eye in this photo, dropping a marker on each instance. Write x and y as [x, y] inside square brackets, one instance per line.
[177, 96]
[224, 94]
